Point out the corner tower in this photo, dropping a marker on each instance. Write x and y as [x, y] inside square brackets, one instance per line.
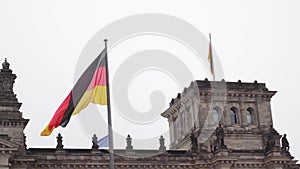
[243, 110]
[12, 123]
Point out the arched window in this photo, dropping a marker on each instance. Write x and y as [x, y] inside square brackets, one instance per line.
[233, 116]
[249, 116]
[216, 115]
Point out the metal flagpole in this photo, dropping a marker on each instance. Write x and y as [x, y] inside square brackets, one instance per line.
[211, 59]
[110, 133]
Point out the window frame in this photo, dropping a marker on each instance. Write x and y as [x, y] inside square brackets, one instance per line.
[233, 115]
[249, 113]
[216, 113]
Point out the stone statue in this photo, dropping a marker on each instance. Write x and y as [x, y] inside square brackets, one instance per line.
[271, 138]
[5, 65]
[162, 147]
[220, 135]
[285, 144]
[271, 142]
[220, 138]
[95, 145]
[194, 142]
[129, 146]
[59, 146]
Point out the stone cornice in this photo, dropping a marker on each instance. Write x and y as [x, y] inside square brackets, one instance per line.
[13, 122]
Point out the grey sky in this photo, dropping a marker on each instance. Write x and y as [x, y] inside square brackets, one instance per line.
[255, 40]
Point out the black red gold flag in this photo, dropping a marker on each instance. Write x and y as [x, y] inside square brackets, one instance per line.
[90, 88]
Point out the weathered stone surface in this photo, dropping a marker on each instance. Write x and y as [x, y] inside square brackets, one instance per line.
[240, 145]
[243, 137]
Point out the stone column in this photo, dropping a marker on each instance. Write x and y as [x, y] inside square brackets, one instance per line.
[171, 127]
[4, 157]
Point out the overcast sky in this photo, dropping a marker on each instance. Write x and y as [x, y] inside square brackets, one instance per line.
[254, 40]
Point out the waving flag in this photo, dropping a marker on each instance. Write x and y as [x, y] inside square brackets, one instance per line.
[103, 142]
[90, 88]
[210, 58]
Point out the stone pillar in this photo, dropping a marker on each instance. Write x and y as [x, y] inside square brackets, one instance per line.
[129, 147]
[4, 164]
[264, 113]
[171, 127]
[176, 130]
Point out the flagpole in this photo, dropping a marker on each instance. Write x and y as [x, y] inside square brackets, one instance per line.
[211, 59]
[110, 133]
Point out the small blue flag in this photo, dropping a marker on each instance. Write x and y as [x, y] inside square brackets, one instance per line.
[103, 142]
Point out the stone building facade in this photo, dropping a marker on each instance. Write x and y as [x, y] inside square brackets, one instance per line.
[216, 125]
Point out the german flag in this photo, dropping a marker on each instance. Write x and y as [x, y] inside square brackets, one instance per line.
[210, 58]
[90, 88]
